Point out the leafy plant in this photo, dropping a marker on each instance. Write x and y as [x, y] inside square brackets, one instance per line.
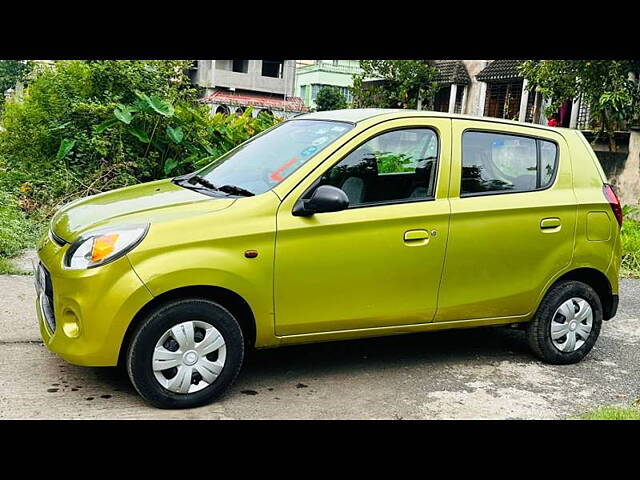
[175, 139]
[613, 98]
[16, 233]
[84, 127]
[329, 98]
[389, 162]
[50, 151]
[12, 72]
[395, 84]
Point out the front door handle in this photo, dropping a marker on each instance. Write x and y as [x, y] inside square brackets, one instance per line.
[550, 224]
[416, 237]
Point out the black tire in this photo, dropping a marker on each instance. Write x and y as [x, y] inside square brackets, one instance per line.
[155, 324]
[539, 329]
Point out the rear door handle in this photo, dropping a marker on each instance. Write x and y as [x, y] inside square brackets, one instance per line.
[416, 237]
[550, 224]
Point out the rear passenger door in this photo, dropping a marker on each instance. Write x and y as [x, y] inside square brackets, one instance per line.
[513, 217]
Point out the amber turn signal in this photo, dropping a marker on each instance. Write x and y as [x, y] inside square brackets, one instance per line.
[103, 246]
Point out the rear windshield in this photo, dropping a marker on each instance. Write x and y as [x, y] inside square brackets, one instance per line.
[261, 163]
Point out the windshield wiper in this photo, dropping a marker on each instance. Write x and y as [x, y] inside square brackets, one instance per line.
[203, 181]
[235, 190]
[228, 189]
[181, 180]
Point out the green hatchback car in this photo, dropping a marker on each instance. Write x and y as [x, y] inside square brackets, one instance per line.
[335, 225]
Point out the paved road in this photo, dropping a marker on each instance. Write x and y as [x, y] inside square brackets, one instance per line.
[482, 373]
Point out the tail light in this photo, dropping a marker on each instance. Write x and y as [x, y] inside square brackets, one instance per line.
[613, 200]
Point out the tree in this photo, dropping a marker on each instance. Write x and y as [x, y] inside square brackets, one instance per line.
[395, 84]
[12, 72]
[330, 98]
[606, 87]
[611, 90]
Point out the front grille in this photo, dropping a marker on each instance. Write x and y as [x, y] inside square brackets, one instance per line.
[46, 299]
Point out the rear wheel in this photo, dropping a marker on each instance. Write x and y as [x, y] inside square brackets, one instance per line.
[185, 354]
[567, 324]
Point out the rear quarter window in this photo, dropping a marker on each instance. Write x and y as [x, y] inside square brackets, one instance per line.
[501, 163]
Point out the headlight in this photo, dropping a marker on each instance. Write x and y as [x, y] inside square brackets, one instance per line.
[104, 246]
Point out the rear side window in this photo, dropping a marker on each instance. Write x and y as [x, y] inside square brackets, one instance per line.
[500, 163]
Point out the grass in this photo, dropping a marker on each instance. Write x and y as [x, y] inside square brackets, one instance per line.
[613, 413]
[630, 237]
[17, 233]
[7, 268]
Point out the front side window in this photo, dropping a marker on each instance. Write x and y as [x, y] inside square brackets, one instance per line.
[261, 163]
[395, 166]
[494, 162]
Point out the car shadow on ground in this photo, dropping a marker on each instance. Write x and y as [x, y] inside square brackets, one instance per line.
[432, 349]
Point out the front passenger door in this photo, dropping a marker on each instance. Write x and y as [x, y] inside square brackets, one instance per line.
[377, 263]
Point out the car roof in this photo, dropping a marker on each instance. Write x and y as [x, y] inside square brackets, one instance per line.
[357, 115]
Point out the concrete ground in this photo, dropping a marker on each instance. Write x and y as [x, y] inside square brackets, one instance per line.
[484, 373]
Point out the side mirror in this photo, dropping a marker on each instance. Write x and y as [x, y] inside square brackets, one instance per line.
[324, 199]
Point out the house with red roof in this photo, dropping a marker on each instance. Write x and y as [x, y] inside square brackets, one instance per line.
[232, 86]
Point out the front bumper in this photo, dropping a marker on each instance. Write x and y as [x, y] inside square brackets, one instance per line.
[92, 308]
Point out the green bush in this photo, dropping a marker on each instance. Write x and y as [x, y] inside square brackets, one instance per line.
[176, 139]
[329, 98]
[66, 101]
[90, 126]
[630, 239]
[16, 232]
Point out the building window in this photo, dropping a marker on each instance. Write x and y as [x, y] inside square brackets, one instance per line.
[272, 68]
[503, 100]
[224, 65]
[315, 88]
[584, 120]
[441, 101]
[459, 96]
[240, 66]
[223, 109]
[346, 93]
[303, 92]
[531, 106]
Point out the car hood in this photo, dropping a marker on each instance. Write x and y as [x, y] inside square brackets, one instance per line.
[145, 203]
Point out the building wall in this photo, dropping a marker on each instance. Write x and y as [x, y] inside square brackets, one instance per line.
[324, 72]
[474, 104]
[218, 73]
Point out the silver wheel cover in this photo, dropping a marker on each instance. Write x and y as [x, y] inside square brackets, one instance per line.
[190, 357]
[571, 325]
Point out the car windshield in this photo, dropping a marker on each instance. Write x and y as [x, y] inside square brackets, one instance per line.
[261, 163]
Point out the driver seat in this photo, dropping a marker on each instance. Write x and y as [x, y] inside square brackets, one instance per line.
[363, 166]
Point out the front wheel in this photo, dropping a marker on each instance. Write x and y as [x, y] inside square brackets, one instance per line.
[567, 324]
[185, 353]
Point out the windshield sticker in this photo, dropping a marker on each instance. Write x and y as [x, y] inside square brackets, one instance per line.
[338, 129]
[308, 151]
[276, 174]
[319, 141]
